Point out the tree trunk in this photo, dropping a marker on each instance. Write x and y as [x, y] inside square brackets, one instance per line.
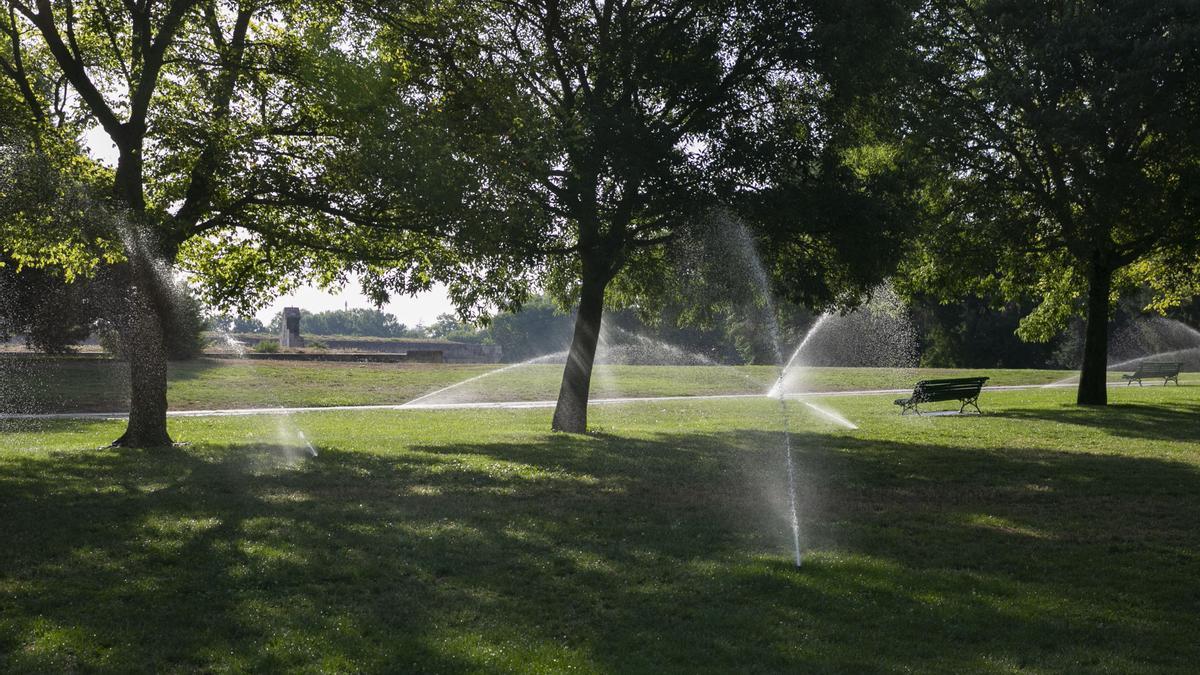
[148, 312]
[128, 180]
[570, 415]
[145, 347]
[1093, 376]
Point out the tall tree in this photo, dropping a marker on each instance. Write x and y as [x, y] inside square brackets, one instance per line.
[113, 59]
[1066, 139]
[221, 164]
[593, 134]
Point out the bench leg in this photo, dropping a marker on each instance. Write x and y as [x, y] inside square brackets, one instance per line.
[973, 402]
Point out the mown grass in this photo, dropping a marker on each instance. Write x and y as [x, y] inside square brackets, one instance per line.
[77, 385]
[1039, 537]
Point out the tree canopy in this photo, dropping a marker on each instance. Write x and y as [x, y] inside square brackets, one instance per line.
[226, 156]
[580, 148]
[586, 137]
[1066, 154]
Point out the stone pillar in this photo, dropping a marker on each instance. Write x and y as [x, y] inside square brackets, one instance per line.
[289, 334]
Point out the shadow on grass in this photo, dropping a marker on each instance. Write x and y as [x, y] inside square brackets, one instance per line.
[1159, 421]
[194, 368]
[604, 553]
[64, 384]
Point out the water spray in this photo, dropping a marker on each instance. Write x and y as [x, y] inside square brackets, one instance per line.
[503, 369]
[307, 443]
[777, 390]
[759, 276]
[831, 415]
[791, 481]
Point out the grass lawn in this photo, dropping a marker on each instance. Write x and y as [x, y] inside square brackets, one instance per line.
[76, 385]
[1039, 537]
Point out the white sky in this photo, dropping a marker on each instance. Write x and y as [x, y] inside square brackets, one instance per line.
[420, 310]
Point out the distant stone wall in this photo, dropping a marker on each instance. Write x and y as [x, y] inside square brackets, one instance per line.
[452, 352]
[415, 356]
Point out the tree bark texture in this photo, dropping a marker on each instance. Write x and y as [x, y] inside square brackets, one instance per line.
[144, 344]
[1093, 376]
[570, 415]
[148, 310]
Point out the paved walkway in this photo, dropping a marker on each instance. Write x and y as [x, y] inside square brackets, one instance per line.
[499, 405]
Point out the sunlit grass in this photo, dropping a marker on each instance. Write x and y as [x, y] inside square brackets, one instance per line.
[1039, 536]
[73, 385]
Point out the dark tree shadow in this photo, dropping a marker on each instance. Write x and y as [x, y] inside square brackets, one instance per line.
[1159, 421]
[67, 384]
[196, 368]
[667, 553]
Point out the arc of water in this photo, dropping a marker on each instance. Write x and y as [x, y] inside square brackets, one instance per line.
[793, 511]
[511, 366]
[1174, 352]
[1129, 362]
[741, 238]
[307, 443]
[663, 346]
[831, 415]
[776, 390]
[682, 353]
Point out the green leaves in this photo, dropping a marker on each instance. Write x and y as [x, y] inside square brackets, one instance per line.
[1059, 134]
[52, 210]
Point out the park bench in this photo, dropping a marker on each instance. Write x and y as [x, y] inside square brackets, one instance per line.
[1154, 370]
[965, 390]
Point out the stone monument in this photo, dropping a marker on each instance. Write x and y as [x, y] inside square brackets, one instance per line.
[289, 334]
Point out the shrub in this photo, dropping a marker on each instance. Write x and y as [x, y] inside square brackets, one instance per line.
[267, 347]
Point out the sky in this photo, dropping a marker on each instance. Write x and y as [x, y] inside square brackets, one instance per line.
[420, 310]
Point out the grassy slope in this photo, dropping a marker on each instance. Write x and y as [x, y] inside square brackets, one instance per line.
[79, 385]
[1040, 537]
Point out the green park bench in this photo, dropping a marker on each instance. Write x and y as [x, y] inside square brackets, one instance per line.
[965, 390]
[1154, 370]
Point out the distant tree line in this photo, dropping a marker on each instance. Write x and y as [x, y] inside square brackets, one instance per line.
[55, 317]
[357, 322]
[973, 333]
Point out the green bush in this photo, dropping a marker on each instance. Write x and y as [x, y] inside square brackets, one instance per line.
[267, 347]
[185, 331]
